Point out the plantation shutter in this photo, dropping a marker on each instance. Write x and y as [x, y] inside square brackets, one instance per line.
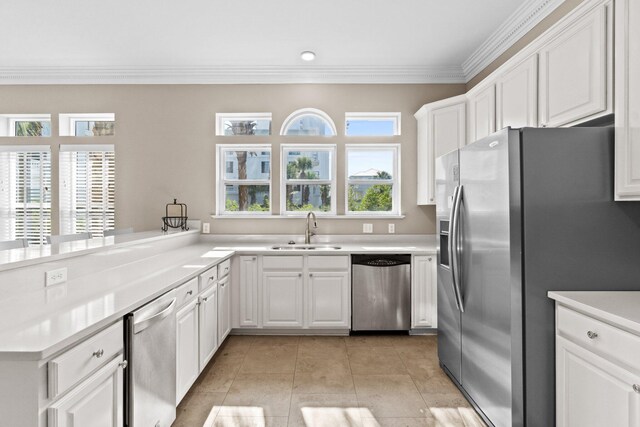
[87, 189]
[25, 193]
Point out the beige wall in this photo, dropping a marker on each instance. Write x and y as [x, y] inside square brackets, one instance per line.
[165, 143]
[562, 10]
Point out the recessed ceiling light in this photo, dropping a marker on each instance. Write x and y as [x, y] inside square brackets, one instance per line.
[307, 55]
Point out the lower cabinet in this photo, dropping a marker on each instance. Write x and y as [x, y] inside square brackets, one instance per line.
[328, 299]
[96, 402]
[224, 308]
[593, 392]
[248, 290]
[187, 356]
[208, 316]
[282, 299]
[423, 292]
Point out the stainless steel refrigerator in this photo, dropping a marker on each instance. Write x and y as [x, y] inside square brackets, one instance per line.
[520, 213]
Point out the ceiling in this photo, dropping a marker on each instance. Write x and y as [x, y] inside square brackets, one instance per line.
[257, 40]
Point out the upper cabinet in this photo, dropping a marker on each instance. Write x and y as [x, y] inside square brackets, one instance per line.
[482, 112]
[627, 94]
[517, 95]
[575, 72]
[441, 128]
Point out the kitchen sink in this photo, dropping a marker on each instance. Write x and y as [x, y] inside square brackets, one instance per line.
[305, 247]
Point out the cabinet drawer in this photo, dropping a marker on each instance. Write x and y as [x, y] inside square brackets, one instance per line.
[187, 292]
[72, 366]
[333, 263]
[282, 262]
[224, 268]
[208, 278]
[598, 336]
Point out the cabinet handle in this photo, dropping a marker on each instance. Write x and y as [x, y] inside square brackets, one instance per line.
[299, 274]
[253, 259]
[636, 388]
[212, 278]
[190, 293]
[205, 299]
[592, 335]
[123, 364]
[429, 258]
[310, 274]
[98, 354]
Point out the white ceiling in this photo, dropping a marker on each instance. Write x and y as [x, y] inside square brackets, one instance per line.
[228, 41]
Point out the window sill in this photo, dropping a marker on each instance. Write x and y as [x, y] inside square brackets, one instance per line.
[304, 216]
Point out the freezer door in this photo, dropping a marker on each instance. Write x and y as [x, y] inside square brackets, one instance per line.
[485, 275]
[449, 352]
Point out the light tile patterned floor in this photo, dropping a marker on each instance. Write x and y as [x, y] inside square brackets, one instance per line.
[361, 381]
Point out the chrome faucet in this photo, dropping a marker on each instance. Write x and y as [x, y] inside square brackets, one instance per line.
[307, 232]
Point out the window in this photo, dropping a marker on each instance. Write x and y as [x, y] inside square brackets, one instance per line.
[373, 179]
[87, 189]
[25, 125]
[25, 196]
[372, 124]
[308, 122]
[245, 187]
[87, 124]
[230, 124]
[308, 183]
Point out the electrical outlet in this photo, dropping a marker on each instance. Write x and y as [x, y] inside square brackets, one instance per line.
[392, 228]
[53, 277]
[367, 228]
[205, 228]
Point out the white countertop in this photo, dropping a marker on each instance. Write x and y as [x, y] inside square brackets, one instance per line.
[621, 308]
[37, 324]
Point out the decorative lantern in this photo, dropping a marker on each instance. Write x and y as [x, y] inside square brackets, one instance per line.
[176, 216]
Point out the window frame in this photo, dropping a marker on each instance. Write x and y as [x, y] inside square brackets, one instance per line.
[332, 181]
[307, 112]
[8, 123]
[72, 215]
[221, 181]
[396, 206]
[222, 117]
[396, 117]
[67, 122]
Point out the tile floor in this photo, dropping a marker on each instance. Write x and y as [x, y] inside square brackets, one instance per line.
[362, 381]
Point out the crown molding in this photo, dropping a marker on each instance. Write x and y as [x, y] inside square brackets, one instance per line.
[517, 25]
[229, 75]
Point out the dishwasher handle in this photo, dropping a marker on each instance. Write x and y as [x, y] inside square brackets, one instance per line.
[143, 324]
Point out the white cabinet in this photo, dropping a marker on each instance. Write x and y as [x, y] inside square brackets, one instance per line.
[328, 299]
[441, 129]
[96, 402]
[517, 95]
[423, 292]
[627, 98]
[482, 112]
[248, 289]
[224, 308]
[187, 356]
[282, 299]
[575, 71]
[208, 317]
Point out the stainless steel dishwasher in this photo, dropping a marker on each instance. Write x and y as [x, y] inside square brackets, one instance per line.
[151, 375]
[381, 292]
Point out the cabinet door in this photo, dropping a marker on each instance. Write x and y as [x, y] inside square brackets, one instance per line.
[482, 113]
[627, 100]
[592, 392]
[249, 301]
[282, 299]
[517, 96]
[187, 357]
[96, 402]
[573, 72]
[208, 325]
[423, 292]
[328, 302]
[224, 309]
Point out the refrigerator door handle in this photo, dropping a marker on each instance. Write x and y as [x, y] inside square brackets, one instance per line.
[454, 242]
[450, 247]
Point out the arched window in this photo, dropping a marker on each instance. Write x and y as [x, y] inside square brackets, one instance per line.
[308, 122]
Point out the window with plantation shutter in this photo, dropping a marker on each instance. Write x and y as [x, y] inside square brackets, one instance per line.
[25, 196]
[87, 189]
